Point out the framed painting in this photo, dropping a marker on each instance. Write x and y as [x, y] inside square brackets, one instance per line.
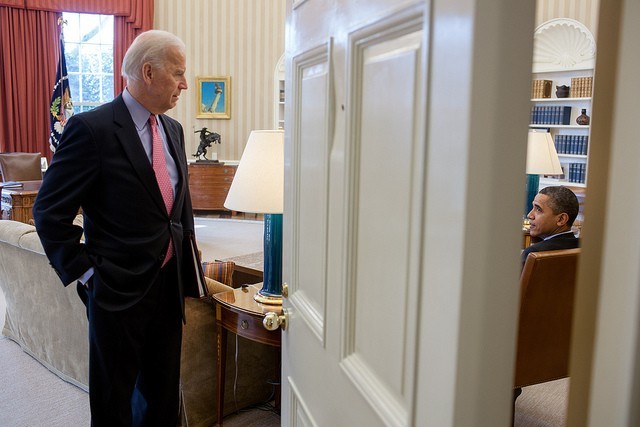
[214, 97]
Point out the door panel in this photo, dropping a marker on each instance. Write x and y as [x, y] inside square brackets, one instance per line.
[311, 168]
[346, 251]
[386, 176]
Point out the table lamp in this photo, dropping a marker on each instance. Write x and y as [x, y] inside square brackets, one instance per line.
[542, 159]
[258, 187]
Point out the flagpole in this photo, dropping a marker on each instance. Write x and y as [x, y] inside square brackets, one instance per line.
[61, 23]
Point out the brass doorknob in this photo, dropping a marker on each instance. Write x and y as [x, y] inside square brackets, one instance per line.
[285, 290]
[273, 321]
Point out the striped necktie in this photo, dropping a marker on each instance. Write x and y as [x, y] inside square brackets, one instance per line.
[162, 174]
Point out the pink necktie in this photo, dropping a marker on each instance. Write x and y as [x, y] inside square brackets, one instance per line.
[162, 174]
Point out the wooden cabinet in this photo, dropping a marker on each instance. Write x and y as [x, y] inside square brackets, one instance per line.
[17, 202]
[209, 184]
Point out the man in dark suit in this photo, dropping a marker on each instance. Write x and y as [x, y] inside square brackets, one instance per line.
[550, 220]
[135, 265]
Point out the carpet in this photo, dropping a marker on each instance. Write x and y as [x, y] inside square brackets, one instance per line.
[33, 396]
[220, 238]
[543, 405]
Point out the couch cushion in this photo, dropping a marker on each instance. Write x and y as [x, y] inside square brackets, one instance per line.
[12, 231]
[221, 271]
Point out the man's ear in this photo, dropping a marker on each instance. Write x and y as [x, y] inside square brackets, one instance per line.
[563, 218]
[147, 72]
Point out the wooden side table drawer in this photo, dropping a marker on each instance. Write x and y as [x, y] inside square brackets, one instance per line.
[248, 326]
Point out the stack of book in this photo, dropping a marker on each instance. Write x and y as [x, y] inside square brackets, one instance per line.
[541, 89]
[10, 184]
[581, 87]
[571, 144]
[554, 115]
[577, 172]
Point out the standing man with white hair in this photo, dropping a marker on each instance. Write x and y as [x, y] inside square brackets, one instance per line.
[124, 165]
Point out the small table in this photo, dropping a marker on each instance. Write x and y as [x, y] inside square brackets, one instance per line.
[239, 313]
[17, 202]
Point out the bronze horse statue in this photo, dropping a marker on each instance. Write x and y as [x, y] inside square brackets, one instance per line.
[206, 139]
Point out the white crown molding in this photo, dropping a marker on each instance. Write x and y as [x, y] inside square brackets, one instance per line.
[561, 45]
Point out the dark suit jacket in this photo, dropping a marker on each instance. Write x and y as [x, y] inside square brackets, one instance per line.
[562, 241]
[100, 166]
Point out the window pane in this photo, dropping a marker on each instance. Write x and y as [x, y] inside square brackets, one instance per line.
[90, 88]
[72, 29]
[74, 87]
[89, 28]
[107, 88]
[106, 30]
[89, 59]
[89, 55]
[107, 59]
[71, 52]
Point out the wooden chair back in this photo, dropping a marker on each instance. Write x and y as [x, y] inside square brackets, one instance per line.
[547, 287]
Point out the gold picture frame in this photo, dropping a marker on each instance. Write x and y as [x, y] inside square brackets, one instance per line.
[214, 97]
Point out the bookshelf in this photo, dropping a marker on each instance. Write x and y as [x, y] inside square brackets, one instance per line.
[564, 55]
[572, 140]
[279, 95]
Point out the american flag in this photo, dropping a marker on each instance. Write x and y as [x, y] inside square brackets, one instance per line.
[61, 106]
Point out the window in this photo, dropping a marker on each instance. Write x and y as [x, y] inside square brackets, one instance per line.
[88, 46]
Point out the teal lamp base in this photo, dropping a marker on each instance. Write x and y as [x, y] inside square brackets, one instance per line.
[533, 181]
[271, 292]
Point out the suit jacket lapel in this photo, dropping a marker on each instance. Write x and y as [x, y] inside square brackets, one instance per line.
[127, 135]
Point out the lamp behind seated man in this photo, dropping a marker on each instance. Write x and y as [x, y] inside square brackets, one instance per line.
[542, 159]
[551, 218]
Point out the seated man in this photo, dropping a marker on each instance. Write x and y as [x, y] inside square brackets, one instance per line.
[551, 218]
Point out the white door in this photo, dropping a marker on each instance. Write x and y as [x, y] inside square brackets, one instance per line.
[405, 146]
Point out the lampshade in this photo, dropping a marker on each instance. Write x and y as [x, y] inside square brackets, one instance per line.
[258, 185]
[542, 158]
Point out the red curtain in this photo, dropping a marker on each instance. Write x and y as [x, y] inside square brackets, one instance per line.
[126, 29]
[28, 57]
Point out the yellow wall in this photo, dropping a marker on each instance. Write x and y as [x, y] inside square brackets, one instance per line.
[584, 11]
[243, 39]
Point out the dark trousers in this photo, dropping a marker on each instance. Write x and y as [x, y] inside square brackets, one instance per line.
[134, 358]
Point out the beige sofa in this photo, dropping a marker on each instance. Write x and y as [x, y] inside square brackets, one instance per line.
[49, 322]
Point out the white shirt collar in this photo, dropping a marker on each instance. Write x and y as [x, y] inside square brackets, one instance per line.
[559, 234]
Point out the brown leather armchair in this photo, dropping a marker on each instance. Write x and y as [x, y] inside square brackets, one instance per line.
[547, 286]
[20, 166]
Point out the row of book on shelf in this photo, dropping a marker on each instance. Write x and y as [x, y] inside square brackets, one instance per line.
[550, 115]
[541, 89]
[581, 87]
[573, 172]
[571, 144]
